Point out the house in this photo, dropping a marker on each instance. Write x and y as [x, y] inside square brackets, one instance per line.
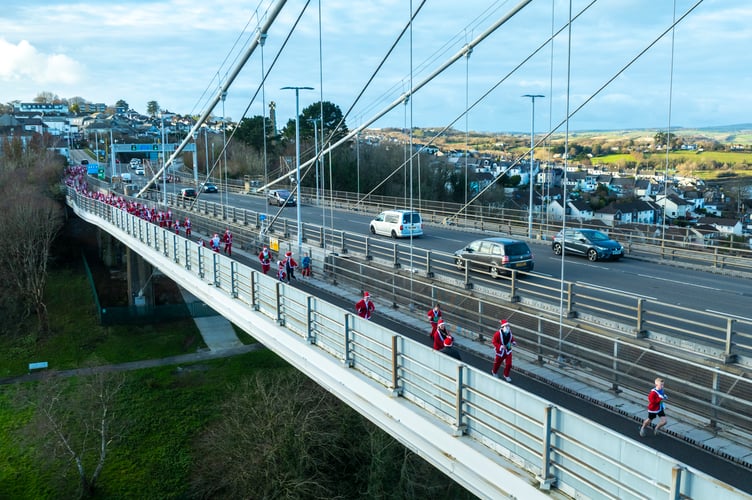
[634, 212]
[725, 227]
[674, 206]
[622, 186]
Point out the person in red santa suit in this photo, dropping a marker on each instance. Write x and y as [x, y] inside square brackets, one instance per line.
[281, 274]
[440, 335]
[227, 238]
[503, 340]
[187, 224]
[265, 257]
[364, 307]
[290, 266]
[434, 315]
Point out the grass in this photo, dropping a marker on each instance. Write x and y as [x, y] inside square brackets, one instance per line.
[76, 338]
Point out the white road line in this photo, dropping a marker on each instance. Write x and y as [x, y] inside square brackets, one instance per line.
[728, 315]
[616, 290]
[447, 239]
[680, 282]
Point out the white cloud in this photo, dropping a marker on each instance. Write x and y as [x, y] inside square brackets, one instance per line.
[23, 63]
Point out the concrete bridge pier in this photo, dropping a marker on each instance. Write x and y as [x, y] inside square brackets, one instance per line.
[140, 285]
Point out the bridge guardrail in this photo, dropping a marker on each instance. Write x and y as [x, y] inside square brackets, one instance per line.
[561, 449]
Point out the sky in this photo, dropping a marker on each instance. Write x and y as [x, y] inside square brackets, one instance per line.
[619, 66]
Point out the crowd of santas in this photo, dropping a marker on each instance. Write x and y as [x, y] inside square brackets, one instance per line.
[76, 177]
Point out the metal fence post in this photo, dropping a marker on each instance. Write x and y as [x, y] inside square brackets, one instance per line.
[676, 477]
[545, 480]
[234, 279]
[310, 337]
[729, 357]
[396, 389]
[460, 427]
[347, 359]
[215, 268]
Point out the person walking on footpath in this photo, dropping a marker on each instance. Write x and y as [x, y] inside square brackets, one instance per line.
[290, 266]
[364, 307]
[439, 335]
[449, 348]
[227, 238]
[305, 266]
[215, 242]
[265, 257]
[655, 408]
[434, 315]
[187, 225]
[503, 340]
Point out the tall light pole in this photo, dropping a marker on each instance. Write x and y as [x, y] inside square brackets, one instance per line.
[532, 156]
[164, 162]
[297, 159]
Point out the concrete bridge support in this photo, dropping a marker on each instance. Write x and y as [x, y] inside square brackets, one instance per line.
[139, 272]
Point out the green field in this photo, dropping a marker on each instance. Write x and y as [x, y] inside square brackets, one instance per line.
[247, 426]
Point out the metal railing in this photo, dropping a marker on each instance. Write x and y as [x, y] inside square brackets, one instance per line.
[562, 450]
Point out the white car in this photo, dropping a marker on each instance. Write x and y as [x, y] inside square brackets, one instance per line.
[398, 224]
[139, 170]
[126, 176]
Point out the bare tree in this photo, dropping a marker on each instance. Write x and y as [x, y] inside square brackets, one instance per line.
[31, 221]
[76, 421]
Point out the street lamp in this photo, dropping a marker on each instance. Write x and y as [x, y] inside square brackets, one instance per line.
[297, 158]
[532, 155]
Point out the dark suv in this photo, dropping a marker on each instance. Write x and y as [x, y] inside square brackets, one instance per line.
[496, 256]
[593, 244]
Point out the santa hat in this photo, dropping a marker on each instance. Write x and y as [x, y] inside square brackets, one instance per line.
[366, 295]
[448, 341]
[504, 323]
[288, 254]
[440, 323]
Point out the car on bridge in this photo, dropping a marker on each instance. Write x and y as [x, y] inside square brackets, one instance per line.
[496, 256]
[590, 243]
[397, 224]
[280, 197]
[208, 187]
[187, 193]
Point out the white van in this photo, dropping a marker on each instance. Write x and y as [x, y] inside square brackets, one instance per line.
[398, 224]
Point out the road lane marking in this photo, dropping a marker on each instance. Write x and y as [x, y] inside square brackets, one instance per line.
[616, 290]
[680, 282]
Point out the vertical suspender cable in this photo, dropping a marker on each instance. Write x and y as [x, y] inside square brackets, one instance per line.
[564, 190]
[668, 135]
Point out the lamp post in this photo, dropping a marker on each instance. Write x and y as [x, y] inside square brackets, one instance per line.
[164, 163]
[532, 156]
[297, 158]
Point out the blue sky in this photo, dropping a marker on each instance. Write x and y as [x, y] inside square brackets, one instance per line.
[176, 52]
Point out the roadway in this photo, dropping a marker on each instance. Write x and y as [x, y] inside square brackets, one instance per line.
[693, 289]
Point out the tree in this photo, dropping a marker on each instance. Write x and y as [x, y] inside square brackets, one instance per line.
[152, 108]
[251, 131]
[46, 97]
[122, 104]
[332, 117]
[282, 436]
[34, 220]
[76, 420]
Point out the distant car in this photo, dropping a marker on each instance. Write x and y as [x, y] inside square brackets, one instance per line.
[590, 243]
[280, 197]
[125, 176]
[496, 256]
[209, 188]
[139, 170]
[135, 163]
[187, 193]
[84, 162]
[397, 224]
